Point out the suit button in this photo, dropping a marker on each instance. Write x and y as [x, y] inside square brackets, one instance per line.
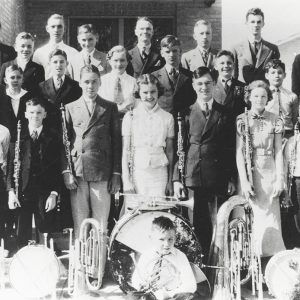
[200, 159]
[83, 151]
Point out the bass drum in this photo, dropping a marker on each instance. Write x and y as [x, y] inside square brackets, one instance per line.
[34, 271]
[131, 237]
[282, 274]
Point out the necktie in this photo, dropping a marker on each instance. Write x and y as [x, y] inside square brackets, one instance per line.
[59, 83]
[154, 278]
[256, 47]
[226, 86]
[87, 60]
[144, 54]
[206, 110]
[34, 135]
[118, 94]
[173, 75]
[277, 104]
[205, 57]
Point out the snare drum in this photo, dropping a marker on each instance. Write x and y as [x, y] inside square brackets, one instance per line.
[34, 271]
[131, 237]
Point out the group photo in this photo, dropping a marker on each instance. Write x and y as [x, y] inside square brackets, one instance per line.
[149, 150]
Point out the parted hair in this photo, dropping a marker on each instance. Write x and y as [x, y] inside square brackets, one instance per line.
[144, 18]
[163, 223]
[56, 16]
[89, 69]
[37, 101]
[170, 41]
[87, 28]
[275, 64]
[12, 68]
[256, 11]
[201, 71]
[225, 53]
[257, 84]
[148, 79]
[118, 49]
[24, 36]
[201, 22]
[58, 52]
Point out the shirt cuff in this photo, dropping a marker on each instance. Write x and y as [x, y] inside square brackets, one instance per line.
[65, 171]
[54, 193]
[116, 173]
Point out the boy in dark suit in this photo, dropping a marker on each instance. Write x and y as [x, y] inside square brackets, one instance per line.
[145, 58]
[95, 145]
[252, 55]
[58, 89]
[7, 53]
[205, 174]
[33, 73]
[39, 174]
[178, 93]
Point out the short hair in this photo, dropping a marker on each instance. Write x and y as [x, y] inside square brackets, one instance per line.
[89, 69]
[225, 53]
[201, 71]
[170, 41]
[148, 79]
[24, 36]
[37, 101]
[163, 223]
[275, 64]
[56, 16]
[147, 19]
[201, 22]
[87, 28]
[257, 84]
[13, 68]
[56, 52]
[118, 49]
[256, 12]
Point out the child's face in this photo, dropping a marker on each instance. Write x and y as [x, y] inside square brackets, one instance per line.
[144, 31]
[163, 240]
[224, 66]
[203, 36]
[58, 65]
[203, 86]
[275, 76]
[118, 62]
[258, 99]
[14, 80]
[87, 41]
[90, 83]
[172, 55]
[149, 94]
[24, 48]
[255, 23]
[55, 28]
[35, 114]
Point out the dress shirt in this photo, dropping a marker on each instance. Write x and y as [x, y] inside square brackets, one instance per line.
[287, 104]
[144, 48]
[252, 44]
[175, 274]
[41, 56]
[22, 63]
[90, 104]
[128, 85]
[15, 99]
[170, 68]
[202, 104]
[229, 82]
[86, 54]
[4, 145]
[55, 80]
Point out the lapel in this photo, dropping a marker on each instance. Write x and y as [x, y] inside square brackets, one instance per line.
[198, 117]
[44, 142]
[150, 59]
[219, 92]
[50, 90]
[209, 59]
[247, 52]
[212, 119]
[164, 79]
[262, 54]
[22, 107]
[198, 57]
[98, 58]
[180, 80]
[137, 58]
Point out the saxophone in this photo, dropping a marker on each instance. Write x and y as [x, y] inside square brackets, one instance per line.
[17, 161]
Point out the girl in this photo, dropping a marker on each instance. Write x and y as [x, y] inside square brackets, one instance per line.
[148, 133]
[265, 132]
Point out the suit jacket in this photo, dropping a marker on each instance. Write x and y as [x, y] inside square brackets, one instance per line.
[32, 76]
[68, 92]
[192, 59]
[136, 67]
[99, 61]
[206, 141]
[49, 176]
[96, 144]
[245, 70]
[8, 117]
[176, 97]
[296, 75]
[7, 53]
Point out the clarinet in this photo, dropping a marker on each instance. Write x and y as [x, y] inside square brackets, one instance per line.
[248, 148]
[17, 161]
[66, 141]
[180, 150]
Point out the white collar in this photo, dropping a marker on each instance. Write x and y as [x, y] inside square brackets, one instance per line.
[89, 101]
[114, 75]
[62, 78]
[38, 130]
[223, 80]
[85, 53]
[168, 68]
[21, 61]
[53, 44]
[14, 96]
[275, 89]
[146, 47]
[203, 50]
[202, 103]
[252, 40]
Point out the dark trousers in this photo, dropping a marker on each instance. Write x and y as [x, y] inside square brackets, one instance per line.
[3, 204]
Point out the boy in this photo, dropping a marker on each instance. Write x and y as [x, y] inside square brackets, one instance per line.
[252, 55]
[145, 57]
[95, 144]
[55, 28]
[203, 54]
[39, 174]
[164, 270]
[87, 38]
[33, 73]
[59, 88]
[176, 81]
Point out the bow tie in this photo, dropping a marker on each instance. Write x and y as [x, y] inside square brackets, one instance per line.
[257, 117]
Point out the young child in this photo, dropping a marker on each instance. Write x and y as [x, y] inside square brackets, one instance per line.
[87, 38]
[117, 86]
[39, 174]
[96, 146]
[33, 73]
[148, 133]
[59, 88]
[164, 270]
[176, 81]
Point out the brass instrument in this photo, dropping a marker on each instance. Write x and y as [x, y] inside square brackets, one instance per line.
[66, 138]
[17, 160]
[85, 257]
[248, 151]
[180, 150]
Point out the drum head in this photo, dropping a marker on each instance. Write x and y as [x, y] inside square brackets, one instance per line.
[34, 271]
[282, 274]
[131, 237]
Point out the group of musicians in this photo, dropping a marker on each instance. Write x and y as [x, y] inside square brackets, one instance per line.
[181, 116]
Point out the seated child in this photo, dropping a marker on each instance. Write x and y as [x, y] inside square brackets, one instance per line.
[164, 271]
